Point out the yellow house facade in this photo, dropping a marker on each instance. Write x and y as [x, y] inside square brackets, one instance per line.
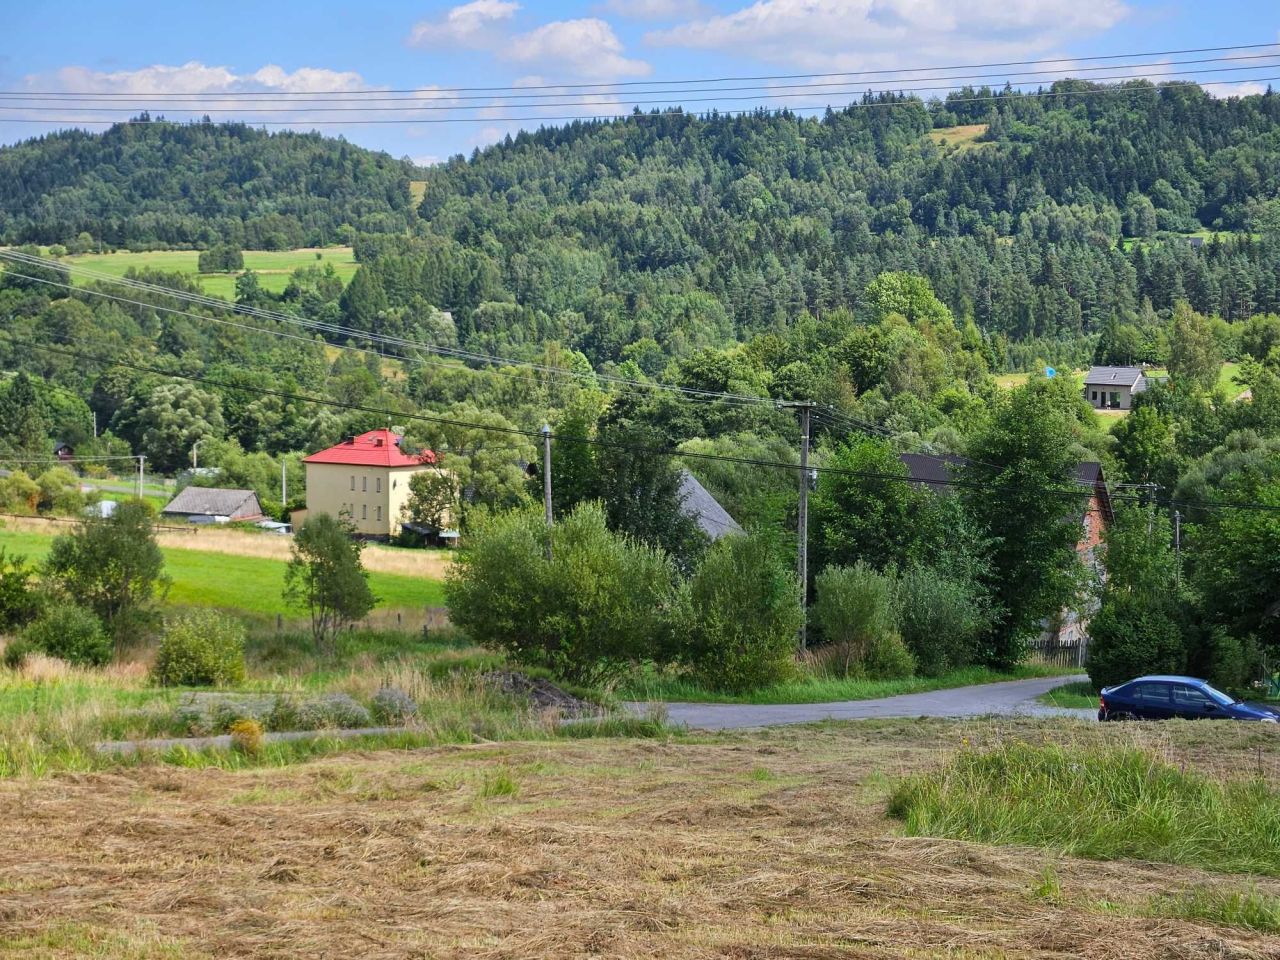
[365, 479]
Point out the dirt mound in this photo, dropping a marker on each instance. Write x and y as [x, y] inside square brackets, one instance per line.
[541, 694]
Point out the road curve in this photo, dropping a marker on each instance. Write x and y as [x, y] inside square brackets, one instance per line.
[1008, 698]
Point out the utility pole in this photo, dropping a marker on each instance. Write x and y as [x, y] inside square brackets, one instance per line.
[802, 521]
[142, 459]
[284, 484]
[546, 480]
[1177, 546]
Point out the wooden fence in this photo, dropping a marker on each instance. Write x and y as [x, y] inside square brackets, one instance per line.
[1052, 651]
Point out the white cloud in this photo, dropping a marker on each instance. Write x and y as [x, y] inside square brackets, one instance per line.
[1246, 88]
[652, 9]
[852, 34]
[473, 24]
[588, 47]
[196, 77]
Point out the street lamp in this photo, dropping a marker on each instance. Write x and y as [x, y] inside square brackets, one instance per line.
[195, 453]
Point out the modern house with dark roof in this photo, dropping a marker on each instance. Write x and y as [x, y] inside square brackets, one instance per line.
[1112, 388]
[365, 479]
[214, 505]
[697, 503]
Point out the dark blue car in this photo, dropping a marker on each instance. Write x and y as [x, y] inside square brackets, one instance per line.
[1164, 698]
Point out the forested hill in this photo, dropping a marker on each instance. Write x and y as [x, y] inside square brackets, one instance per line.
[1023, 211]
[152, 184]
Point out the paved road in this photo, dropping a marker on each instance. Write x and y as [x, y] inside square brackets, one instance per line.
[1010, 698]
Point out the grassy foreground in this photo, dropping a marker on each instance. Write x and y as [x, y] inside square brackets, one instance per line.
[761, 844]
[809, 688]
[242, 583]
[1103, 802]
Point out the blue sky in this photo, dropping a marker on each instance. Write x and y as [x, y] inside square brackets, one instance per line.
[223, 53]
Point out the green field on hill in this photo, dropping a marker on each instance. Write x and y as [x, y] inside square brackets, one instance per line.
[273, 267]
[252, 585]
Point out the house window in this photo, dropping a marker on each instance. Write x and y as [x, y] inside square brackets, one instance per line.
[1094, 396]
[364, 484]
[377, 484]
[378, 512]
[364, 511]
[353, 481]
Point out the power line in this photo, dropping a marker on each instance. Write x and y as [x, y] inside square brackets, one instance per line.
[852, 89]
[1013, 95]
[339, 330]
[670, 451]
[727, 79]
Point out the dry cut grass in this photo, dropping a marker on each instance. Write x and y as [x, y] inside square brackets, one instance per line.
[755, 845]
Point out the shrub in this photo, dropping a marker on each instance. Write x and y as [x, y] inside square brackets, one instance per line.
[16, 652]
[855, 611]
[19, 601]
[596, 606]
[940, 619]
[70, 633]
[889, 659]
[1130, 637]
[201, 648]
[19, 493]
[391, 705]
[60, 492]
[741, 615]
[221, 258]
[247, 736]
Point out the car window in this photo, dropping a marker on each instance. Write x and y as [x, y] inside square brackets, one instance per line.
[1184, 696]
[1218, 697]
[1153, 693]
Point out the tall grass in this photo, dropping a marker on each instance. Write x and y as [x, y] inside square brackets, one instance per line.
[1251, 909]
[1101, 802]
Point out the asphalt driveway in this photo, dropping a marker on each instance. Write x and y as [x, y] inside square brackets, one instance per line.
[1010, 698]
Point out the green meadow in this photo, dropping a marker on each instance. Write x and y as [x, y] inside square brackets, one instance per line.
[252, 585]
[273, 267]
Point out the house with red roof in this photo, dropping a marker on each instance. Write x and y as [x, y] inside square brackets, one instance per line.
[365, 479]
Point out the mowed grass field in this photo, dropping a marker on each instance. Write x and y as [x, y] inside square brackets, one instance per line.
[234, 581]
[273, 267]
[962, 138]
[773, 843]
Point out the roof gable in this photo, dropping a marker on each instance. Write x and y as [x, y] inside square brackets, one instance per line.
[1113, 376]
[215, 502]
[697, 503]
[377, 448]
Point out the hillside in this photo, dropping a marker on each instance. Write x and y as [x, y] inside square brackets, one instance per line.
[699, 231]
[153, 184]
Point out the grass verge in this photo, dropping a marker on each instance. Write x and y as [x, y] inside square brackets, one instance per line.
[1076, 696]
[650, 684]
[1101, 802]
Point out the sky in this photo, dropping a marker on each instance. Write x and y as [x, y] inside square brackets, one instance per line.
[564, 58]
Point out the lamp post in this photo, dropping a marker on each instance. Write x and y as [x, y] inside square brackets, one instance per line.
[195, 453]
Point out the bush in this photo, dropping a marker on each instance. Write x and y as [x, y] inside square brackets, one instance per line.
[16, 652]
[741, 614]
[60, 492]
[19, 493]
[222, 258]
[854, 609]
[598, 605]
[1129, 638]
[391, 705]
[202, 648]
[889, 659]
[940, 619]
[70, 633]
[247, 736]
[20, 602]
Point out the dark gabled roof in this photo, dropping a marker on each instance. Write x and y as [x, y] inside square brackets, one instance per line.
[932, 470]
[697, 503]
[935, 471]
[1113, 376]
[215, 502]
